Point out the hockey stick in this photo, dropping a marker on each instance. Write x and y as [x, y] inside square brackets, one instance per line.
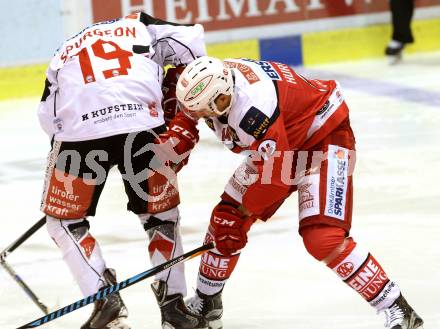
[10, 270]
[14, 245]
[25, 287]
[104, 292]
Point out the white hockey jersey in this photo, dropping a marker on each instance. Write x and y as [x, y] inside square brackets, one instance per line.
[107, 79]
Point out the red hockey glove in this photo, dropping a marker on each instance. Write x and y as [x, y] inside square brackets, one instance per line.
[229, 228]
[175, 145]
[169, 101]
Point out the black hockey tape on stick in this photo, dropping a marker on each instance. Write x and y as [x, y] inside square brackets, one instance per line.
[25, 287]
[14, 245]
[104, 292]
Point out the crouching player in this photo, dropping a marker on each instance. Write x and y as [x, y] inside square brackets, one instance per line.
[296, 135]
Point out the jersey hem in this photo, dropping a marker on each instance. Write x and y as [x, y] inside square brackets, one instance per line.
[108, 134]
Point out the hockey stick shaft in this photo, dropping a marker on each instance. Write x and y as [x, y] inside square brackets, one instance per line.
[14, 245]
[104, 292]
[25, 287]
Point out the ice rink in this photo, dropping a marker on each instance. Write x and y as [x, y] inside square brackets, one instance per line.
[395, 113]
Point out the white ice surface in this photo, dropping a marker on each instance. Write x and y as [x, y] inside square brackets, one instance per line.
[395, 113]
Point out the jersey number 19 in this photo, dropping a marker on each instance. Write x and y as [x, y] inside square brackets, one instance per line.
[123, 56]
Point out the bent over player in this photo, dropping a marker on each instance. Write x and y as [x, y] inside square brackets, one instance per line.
[296, 135]
[101, 108]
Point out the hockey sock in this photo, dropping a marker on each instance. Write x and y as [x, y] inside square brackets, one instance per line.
[215, 269]
[355, 266]
[165, 242]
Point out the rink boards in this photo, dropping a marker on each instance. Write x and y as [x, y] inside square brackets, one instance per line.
[308, 48]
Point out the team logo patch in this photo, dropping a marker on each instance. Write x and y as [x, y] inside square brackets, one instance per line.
[238, 184]
[351, 264]
[246, 175]
[308, 196]
[58, 125]
[337, 182]
[88, 244]
[345, 269]
[255, 123]
[153, 109]
[267, 148]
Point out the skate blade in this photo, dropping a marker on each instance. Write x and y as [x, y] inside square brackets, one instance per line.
[216, 324]
[166, 325]
[119, 323]
[393, 60]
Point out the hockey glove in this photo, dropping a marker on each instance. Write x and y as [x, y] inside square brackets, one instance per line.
[175, 145]
[229, 228]
[169, 101]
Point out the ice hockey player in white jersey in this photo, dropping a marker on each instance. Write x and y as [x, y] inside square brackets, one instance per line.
[295, 136]
[101, 106]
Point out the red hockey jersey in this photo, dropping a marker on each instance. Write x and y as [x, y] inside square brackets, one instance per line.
[275, 112]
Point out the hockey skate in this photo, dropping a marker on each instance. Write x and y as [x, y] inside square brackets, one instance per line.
[110, 312]
[401, 316]
[394, 51]
[210, 307]
[175, 315]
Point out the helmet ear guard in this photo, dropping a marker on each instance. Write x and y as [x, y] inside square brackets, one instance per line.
[202, 82]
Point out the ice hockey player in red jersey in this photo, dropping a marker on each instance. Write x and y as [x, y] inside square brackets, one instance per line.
[295, 135]
[102, 105]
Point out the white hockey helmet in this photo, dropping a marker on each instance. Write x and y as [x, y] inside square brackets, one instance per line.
[202, 82]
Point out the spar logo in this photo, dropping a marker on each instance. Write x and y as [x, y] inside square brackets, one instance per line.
[345, 269]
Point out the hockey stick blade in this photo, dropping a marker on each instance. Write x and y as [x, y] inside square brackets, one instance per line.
[14, 245]
[104, 292]
[25, 287]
